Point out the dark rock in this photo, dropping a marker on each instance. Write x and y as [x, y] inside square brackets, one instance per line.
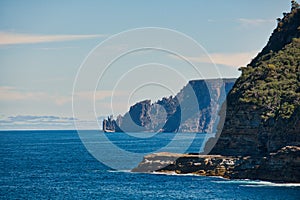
[281, 166]
[110, 125]
[193, 109]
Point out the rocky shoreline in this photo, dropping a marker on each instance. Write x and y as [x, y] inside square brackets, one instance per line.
[280, 166]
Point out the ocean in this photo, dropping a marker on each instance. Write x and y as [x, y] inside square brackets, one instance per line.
[57, 165]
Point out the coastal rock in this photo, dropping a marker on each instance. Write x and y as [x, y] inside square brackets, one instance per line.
[281, 166]
[193, 109]
[110, 125]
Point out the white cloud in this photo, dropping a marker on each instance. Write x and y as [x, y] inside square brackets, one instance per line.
[8, 38]
[36, 122]
[233, 59]
[57, 48]
[14, 94]
[46, 122]
[11, 93]
[61, 100]
[99, 95]
[229, 59]
[254, 22]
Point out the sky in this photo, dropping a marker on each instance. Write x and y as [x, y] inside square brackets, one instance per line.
[46, 48]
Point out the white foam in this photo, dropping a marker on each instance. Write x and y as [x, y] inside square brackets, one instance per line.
[175, 174]
[241, 182]
[270, 184]
[120, 171]
[252, 183]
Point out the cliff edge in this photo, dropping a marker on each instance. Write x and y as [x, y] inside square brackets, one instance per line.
[261, 135]
[263, 108]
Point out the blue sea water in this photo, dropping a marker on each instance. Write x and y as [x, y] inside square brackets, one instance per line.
[56, 165]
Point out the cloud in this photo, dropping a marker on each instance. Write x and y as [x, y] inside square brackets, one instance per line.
[57, 48]
[254, 22]
[244, 22]
[46, 122]
[233, 59]
[99, 95]
[44, 118]
[8, 38]
[61, 100]
[229, 59]
[211, 20]
[37, 122]
[14, 94]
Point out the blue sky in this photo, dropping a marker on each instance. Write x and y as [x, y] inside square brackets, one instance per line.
[43, 44]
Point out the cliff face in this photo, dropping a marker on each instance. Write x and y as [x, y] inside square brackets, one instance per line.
[193, 109]
[261, 135]
[263, 108]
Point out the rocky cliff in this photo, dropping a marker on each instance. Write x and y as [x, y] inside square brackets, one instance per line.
[261, 135]
[263, 108]
[193, 109]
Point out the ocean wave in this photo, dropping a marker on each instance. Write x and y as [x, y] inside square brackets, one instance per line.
[173, 174]
[120, 171]
[222, 180]
[257, 183]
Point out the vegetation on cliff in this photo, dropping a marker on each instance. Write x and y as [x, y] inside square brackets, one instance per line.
[272, 80]
[273, 83]
[263, 108]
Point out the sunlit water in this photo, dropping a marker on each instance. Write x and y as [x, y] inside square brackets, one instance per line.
[56, 165]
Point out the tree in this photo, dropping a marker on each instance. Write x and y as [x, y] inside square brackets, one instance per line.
[295, 5]
[278, 20]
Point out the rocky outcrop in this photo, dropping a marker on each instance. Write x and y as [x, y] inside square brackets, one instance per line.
[110, 125]
[281, 166]
[194, 109]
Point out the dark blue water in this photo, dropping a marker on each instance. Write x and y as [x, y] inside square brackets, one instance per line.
[56, 165]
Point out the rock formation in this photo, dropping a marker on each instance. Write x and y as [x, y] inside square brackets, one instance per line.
[110, 125]
[281, 166]
[194, 109]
